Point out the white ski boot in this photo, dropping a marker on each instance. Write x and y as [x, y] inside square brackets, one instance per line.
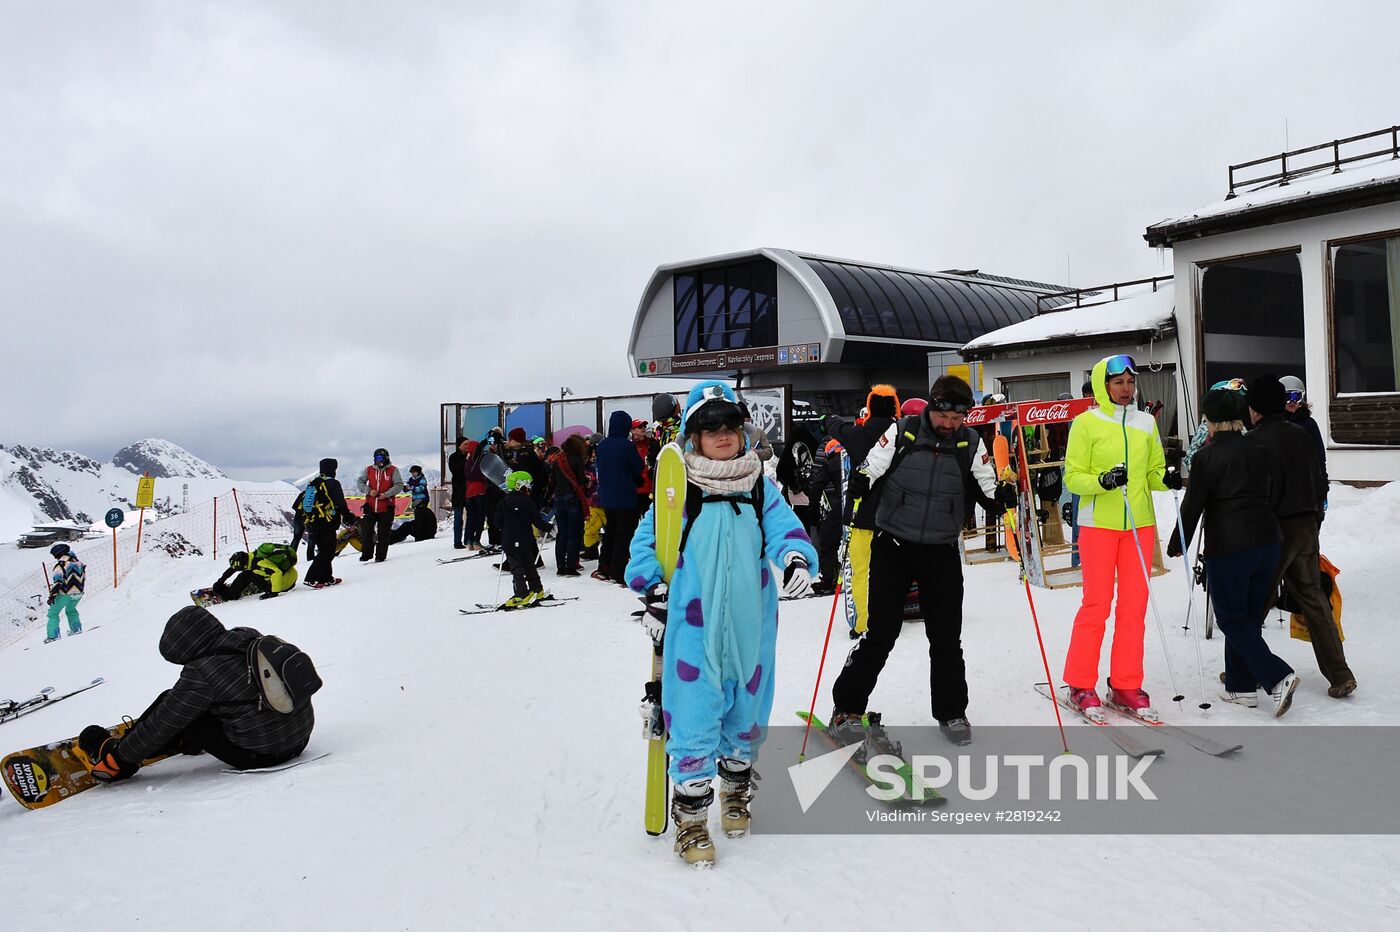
[735, 792]
[690, 810]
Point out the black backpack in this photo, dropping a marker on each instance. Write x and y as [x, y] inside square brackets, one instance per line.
[285, 675]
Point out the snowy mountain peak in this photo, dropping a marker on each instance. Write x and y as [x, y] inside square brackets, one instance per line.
[164, 460]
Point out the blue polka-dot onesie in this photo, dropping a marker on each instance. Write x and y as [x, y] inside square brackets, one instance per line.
[722, 628]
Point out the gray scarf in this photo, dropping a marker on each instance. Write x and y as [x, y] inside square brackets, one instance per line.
[723, 477]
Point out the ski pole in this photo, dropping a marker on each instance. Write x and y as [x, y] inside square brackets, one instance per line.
[1147, 581]
[816, 687]
[1190, 596]
[1050, 681]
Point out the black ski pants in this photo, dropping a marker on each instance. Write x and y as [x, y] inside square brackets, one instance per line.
[1239, 589]
[1299, 567]
[525, 577]
[493, 498]
[205, 735]
[894, 564]
[245, 582]
[617, 541]
[375, 532]
[322, 537]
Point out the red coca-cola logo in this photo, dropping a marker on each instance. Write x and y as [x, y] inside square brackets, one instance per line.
[1052, 412]
[984, 414]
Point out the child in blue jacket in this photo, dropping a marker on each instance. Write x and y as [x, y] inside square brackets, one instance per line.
[717, 684]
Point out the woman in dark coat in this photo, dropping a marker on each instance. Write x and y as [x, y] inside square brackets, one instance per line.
[1230, 487]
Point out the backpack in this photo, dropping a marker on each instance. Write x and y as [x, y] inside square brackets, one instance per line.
[695, 499]
[316, 502]
[281, 556]
[285, 676]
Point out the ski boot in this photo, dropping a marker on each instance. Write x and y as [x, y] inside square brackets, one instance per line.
[848, 728]
[1134, 702]
[516, 601]
[1087, 703]
[735, 793]
[690, 809]
[957, 730]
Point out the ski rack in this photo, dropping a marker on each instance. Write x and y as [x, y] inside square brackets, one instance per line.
[985, 543]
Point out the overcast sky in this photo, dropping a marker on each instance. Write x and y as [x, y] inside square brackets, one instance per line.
[273, 231]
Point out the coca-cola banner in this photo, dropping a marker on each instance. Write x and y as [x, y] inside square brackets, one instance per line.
[985, 414]
[1032, 413]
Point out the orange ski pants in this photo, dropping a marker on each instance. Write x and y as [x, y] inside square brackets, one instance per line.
[1103, 555]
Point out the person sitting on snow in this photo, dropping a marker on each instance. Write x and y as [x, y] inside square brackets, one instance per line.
[213, 708]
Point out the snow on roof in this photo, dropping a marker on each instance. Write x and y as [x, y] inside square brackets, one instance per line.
[1150, 310]
[1299, 188]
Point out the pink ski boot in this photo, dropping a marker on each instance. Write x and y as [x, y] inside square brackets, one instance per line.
[1134, 702]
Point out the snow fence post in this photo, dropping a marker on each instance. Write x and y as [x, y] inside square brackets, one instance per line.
[239, 509]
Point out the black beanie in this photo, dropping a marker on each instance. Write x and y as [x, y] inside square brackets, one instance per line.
[1266, 395]
[328, 467]
[882, 406]
[1222, 404]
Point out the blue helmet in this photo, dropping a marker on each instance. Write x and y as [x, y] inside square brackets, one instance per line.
[710, 405]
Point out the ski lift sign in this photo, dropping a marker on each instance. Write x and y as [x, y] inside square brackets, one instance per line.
[114, 518]
[146, 492]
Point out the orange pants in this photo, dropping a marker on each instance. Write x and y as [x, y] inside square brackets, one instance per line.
[1104, 554]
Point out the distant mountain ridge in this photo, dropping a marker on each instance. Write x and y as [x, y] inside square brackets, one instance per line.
[42, 484]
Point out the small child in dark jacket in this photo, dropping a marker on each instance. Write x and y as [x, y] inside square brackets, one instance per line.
[518, 516]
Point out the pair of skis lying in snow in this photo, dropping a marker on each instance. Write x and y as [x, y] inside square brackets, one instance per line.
[1127, 738]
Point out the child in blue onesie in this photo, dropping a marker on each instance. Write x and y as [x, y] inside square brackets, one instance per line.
[717, 682]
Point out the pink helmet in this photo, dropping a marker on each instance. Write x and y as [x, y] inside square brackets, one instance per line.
[913, 406]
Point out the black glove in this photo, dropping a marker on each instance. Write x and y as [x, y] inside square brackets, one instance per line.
[1174, 545]
[1172, 479]
[1006, 495]
[653, 619]
[53, 596]
[1115, 477]
[100, 748]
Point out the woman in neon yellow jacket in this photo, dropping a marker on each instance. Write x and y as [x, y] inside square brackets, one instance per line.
[1113, 447]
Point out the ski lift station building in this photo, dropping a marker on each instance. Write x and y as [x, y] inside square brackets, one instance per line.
[824, 327]
[1294, 271]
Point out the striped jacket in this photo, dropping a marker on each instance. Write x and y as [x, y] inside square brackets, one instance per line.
[214, 681]
[69, 576]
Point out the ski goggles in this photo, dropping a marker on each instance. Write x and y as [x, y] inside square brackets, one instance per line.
[1117, 365]
[1234, 385]
[719, 414]
[381, 458]
[944, 405]
[1294, 397]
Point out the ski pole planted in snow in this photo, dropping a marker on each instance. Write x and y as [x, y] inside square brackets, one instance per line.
[1177, 696]
[1190, 597]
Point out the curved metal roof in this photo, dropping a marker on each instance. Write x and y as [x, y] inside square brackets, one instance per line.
[881, 302]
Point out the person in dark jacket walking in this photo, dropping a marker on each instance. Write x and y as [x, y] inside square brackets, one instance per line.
[328, 512]
[827, 492]
[881, 409]
[379, 483]
[214, 708]
[620, 472]
[457, 470]
[1298, 492]
[492, 444]
[1230, 487]
[518, 516]
[918, 472]
[571, 508]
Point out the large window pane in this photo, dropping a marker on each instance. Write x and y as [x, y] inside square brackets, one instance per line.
[687, 301]
[712, 315]
[1366, 316]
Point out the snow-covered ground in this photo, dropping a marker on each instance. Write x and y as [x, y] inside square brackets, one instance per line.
[486, 772]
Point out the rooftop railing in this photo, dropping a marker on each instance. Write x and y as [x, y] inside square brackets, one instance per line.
[1299, 162]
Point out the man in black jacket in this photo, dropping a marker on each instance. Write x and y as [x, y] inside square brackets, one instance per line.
[214, 708]
[827, 492]
[457, 469]
[328, 511]
[1298, 489]
[919, 471]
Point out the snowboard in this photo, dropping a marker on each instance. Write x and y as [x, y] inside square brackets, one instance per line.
[205, 597]
[1001, 453]
[668, 511]
[494, 469]
[41, 776]
[278, 768]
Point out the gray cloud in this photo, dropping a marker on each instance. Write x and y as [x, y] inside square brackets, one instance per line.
[271, 231]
